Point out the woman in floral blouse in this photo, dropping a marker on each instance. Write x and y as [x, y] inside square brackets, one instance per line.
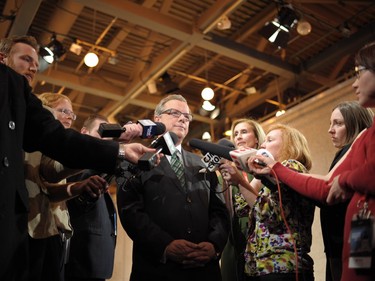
[280, 231]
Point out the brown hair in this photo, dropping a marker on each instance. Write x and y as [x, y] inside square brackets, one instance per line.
[6, 44]
[366, 57]
[294, 145]
[160, 107]
[89, 122]
[356, 118]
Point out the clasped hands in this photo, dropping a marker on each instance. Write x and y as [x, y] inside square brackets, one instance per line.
[190, 254]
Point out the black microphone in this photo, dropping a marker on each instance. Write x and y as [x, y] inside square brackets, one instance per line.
[149, 129]
[216, 149]
[164, 144]
[212, 161]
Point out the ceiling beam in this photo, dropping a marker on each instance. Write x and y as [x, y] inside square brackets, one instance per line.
[24, 17]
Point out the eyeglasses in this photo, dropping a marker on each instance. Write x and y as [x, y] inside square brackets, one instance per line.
[176, 113]
[358, 69]
[67, 112]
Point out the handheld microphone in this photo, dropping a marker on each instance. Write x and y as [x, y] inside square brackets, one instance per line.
[216, 149]
[212, 161]
[164, 144]
[149, 129]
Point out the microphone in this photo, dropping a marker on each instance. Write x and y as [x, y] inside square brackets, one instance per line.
[238, 156]
[212, 161]
[164, 144]
[149, 129]
[216, 149]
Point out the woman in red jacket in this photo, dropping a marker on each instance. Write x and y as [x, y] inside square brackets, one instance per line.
[352, 178]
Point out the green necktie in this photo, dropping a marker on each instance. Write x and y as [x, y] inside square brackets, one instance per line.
[178, 168]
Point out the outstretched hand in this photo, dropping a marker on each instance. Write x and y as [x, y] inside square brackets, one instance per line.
[256, 166]
[133, 151]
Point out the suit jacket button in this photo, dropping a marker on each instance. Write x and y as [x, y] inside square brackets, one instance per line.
[189, 230]
[188, 199]
[6, 162]
[12, 125]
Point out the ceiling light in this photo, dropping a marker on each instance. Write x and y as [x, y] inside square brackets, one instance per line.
[208, 106]
[303, 27]
[280, 112]
[56, 47]
[228, 133]
[53, 51]
[206, 136]
[207, 93]
[277, 31]
[75, 48]
[224, 23]
[113, 60]
[151, 86]
[214, 114]
[91, 59]
[251, 90]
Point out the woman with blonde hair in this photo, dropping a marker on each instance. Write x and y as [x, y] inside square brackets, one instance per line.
[245, 133]
[280, 237]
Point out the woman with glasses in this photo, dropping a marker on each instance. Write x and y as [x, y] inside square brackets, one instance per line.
[353, 178]
[48, 221]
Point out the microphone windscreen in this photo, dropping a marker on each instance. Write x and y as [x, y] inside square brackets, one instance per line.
[226, 142]
[216, 149]
[160, 128]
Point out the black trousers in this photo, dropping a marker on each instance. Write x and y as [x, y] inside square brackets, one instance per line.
[46, 259]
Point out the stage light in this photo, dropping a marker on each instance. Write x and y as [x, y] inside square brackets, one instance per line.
[224, 23]
[277, 31]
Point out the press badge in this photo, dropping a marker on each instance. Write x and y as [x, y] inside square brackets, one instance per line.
[361, 238]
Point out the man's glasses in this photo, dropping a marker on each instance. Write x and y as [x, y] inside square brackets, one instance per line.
[358, 69]
[176, 113]
[67, 112]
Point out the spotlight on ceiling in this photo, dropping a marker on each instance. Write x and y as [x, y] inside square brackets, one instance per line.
[54, 49]
[224, 23]
[277, 31]
[167, 86]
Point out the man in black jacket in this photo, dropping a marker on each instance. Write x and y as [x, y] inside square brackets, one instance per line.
[26, 126]
[173, 214]
[93, 219]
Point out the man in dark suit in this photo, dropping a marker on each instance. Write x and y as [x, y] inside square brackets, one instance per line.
[92, 246]
[26, 125]
[178, 226]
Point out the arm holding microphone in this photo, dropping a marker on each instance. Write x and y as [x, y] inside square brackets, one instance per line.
[229, 170]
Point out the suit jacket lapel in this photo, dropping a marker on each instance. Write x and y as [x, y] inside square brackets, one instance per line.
[167, 170]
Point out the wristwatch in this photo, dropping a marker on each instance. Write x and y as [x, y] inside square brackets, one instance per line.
[121, 152]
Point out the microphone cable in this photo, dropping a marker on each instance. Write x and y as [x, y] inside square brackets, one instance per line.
[285, 221]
